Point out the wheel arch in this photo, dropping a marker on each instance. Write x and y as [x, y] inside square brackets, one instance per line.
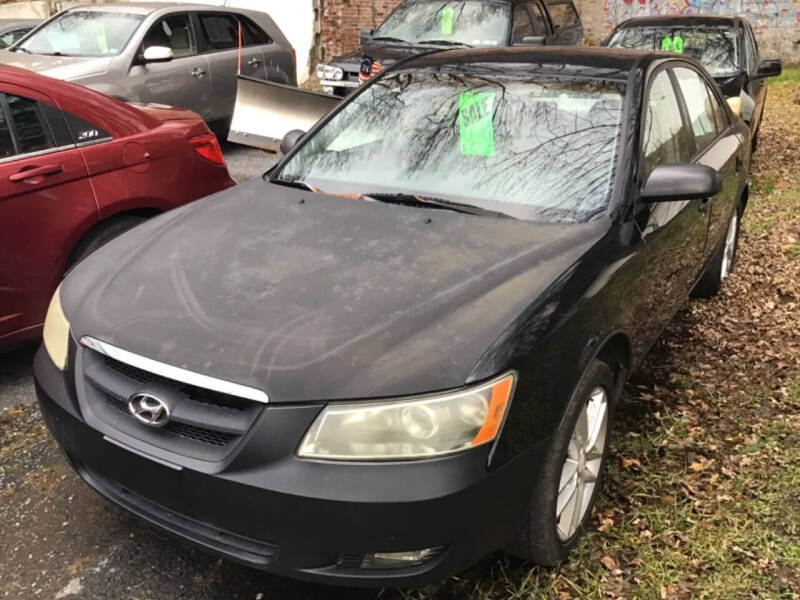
[143, 212]
[616, 351]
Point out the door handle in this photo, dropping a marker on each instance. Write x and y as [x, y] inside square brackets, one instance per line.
[704, 204]
[36, 173]
[254, 62]
[198, 72]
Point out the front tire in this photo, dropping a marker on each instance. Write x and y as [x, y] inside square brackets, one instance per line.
[562, 499]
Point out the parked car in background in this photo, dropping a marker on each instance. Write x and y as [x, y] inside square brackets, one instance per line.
[76, 169]
[181, 55]
[402, 349]
[417, 26]
[725, 46]
[13, 30]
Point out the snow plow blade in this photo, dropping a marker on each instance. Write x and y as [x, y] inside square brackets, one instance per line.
[267, 111]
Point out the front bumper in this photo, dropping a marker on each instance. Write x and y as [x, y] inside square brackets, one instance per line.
[303, 519]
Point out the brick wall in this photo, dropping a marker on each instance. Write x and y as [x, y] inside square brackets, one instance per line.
[777, 22]
[342, 20]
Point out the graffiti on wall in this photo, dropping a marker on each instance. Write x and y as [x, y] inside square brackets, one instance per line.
[761, 13]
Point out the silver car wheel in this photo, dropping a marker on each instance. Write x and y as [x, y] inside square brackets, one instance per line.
[582, 465]
[730, 246]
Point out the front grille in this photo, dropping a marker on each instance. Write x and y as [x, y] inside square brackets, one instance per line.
[204, 424]
[199, 434]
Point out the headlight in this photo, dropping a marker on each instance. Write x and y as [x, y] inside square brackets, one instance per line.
[56, 332]
[329, 72]
[410, 429]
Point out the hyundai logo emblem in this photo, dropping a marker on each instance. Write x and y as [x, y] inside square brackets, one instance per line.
[149, 410]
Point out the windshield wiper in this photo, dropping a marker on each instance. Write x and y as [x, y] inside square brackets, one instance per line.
[444, 43]
[428, 202]
[21, 49]
[389, 39]
[300, 185]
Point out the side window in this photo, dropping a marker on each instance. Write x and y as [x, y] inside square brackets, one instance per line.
[174, 32]
[32, 133]
[522, 26]
[221, 30]
[539, 20]
[562, 14]
[752, 50]
[83, 132]
[12, 36]
[698, 105]
[6, 141]
[665, 139]
[253, 34]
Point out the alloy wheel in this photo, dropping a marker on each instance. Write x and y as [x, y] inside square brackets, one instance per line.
[582, 465]
[730, 246]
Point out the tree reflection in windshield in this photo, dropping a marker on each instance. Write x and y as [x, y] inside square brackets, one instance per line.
[717, 48]
[538, 149]
[472, 22]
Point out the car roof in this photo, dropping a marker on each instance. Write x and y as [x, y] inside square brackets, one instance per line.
[682, 21]
[607, 63]
[119, 118]
[146, 8]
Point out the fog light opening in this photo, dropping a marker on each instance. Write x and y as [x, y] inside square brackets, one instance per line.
[398, 560]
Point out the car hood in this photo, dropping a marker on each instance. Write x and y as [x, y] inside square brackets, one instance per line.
[66, 68]
[386, 54]
[312, 297]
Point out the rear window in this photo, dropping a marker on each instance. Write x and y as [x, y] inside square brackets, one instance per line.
[562, 14]
[221, 31]
[716, 48]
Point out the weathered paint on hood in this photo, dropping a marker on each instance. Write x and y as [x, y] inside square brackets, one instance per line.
[66, 68]
[314, 297]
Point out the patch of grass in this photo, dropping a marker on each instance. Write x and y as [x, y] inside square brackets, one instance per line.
[788, 77]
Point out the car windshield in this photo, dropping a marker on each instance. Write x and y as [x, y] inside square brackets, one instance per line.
[83, 33]
[716, 48]
[471, 22]
[541, 149]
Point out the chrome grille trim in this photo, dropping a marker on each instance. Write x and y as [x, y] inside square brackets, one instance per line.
[175, 373]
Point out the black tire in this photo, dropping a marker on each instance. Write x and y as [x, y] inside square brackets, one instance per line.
[711, 280]
[538, 540]
[101, 234]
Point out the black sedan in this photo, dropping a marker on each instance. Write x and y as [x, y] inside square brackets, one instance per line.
[419, 26]
[402, 348]
[726, 47]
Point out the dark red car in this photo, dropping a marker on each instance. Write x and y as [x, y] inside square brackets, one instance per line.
[78, 168]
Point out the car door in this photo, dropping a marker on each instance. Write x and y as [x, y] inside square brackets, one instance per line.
[278, 63]
[46, 199]
[673, 233]
[716, 146]
[754, 85]
[567, 28]
[184, 81]
[220, 42]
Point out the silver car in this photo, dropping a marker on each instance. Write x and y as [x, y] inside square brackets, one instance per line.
[182, 55]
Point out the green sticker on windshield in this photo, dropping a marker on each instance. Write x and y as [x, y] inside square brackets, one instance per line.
[447, 20]
[475, 123]
[672, 44]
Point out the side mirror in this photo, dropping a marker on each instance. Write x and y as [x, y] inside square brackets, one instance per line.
[669, 183]
[366, 35]
[735, 104]
[156, 54]
[769, 68]
[532, 40]
[290, 140]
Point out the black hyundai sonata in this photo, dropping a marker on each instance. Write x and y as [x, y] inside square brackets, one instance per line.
[401, 349]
